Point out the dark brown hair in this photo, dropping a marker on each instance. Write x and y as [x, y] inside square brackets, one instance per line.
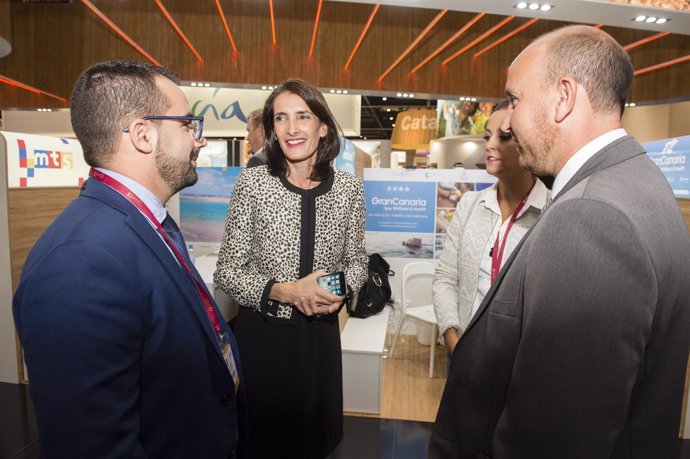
[107, 97]
[502, 105]
[329, 145]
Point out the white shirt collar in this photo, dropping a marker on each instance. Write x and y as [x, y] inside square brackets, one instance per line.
[537, 198]
[583, 155]
[152, 202]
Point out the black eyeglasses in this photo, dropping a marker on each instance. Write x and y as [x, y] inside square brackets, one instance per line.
[195, 124]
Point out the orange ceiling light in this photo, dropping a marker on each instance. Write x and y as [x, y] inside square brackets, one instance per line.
[316, 28]
[413, 44]
[506, 37]
[464, 29]
[120, 32]
[482, 37]
[10, 82]
[178, 30]
[662, 65]
[273, 23]
[361, 35]
[227, 29]
[644, 41]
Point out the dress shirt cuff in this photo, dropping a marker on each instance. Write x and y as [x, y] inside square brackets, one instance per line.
[265, 304]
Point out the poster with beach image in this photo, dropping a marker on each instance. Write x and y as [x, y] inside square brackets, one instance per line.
[672, 156]
[401, 245]
[400, 206]
[204, 206]
[409, 211]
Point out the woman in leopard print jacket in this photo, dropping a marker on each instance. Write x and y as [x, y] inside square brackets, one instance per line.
[290, 222]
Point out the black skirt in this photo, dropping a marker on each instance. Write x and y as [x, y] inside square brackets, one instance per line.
[293, 380]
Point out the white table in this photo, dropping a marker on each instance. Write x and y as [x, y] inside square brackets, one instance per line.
[206, 265]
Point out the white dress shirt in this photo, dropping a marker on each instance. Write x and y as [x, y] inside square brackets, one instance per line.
[581, 157]
[150, 200]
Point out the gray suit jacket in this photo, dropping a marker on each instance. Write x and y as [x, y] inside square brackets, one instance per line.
[257, 159]
[580, 347]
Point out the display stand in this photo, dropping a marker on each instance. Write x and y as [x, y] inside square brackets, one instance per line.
[363, 346]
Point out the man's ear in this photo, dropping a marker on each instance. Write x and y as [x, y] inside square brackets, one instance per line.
[143, 135]
[567, 93]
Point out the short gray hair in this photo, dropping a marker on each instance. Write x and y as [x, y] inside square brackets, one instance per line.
[594, 59]
[256, 117]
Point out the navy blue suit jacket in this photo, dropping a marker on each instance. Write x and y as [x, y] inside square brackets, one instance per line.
[123, 361]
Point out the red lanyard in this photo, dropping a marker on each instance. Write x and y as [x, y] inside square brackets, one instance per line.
[496, 254]
[139, 204]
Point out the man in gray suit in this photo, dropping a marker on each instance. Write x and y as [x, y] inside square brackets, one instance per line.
[580, 347]
[255, 138]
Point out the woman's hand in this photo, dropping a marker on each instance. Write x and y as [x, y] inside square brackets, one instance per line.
[307, 296]
[451, 338]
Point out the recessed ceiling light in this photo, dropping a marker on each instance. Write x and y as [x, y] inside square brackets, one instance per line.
[393, 124]
[344, 91]
[339, 91]
[388, 109]
[650, 19]
[534, 6]
[411, 95]
[193, 83]
[399, 94]
[391, 118]
[264, 87]
[384, 98]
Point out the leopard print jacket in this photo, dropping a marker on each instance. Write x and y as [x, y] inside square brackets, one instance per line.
[276, 232]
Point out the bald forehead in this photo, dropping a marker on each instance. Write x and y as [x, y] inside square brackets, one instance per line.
[530, 55]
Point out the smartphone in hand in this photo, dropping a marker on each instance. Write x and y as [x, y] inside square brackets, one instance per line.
[334, 283]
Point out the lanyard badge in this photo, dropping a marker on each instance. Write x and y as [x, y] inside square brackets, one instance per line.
[206, 300]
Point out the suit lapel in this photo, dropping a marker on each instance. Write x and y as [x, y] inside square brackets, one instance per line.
[501, 274]
[150, 237]
[620, 150]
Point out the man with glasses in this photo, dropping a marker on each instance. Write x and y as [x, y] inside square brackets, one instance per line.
[127, 353]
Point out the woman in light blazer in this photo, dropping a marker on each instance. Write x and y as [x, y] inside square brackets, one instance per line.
[484, 232]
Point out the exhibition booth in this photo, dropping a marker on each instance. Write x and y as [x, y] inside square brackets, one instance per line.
[408, 211]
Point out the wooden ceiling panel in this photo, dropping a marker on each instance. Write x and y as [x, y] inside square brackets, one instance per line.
[54, 42]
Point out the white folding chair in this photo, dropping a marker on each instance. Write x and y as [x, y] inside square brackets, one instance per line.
[424, 313]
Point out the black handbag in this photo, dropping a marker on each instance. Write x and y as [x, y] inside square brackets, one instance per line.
[376, 291]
